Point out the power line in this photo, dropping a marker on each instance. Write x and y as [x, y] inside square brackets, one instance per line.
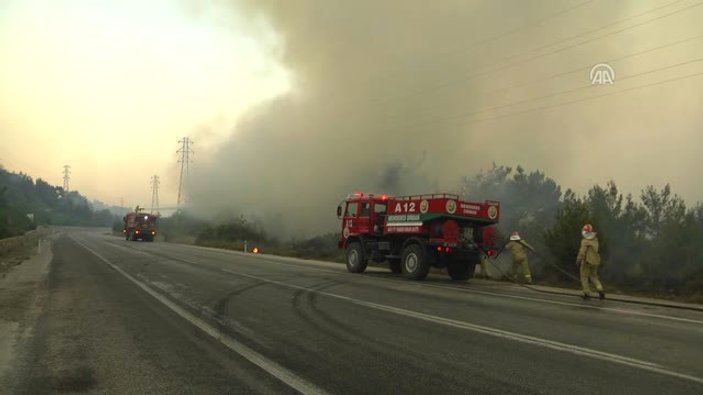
[475, 44]
[66, 177]
[515, 103]
[524, 27]
[504, 34]
[491, 70]
[486, 71]
[439, 120]
[185, 151]
[155, 193]
[546, 107]
[581, 69]
[591, 97]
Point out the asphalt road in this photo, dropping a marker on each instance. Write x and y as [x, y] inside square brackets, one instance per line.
[131, 317]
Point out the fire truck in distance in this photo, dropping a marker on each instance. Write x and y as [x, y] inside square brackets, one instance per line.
[139, 225]
[413, 233]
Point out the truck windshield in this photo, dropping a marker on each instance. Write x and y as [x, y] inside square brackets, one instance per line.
[351, 209]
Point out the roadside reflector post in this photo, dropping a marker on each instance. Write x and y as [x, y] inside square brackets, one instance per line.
[245, 246]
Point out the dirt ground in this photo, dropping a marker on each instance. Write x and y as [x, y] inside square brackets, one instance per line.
[23, 269]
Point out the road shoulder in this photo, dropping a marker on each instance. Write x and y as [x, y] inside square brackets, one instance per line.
[20, 294]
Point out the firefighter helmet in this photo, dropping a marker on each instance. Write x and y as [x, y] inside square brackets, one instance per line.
[587, 231]
[515, 236]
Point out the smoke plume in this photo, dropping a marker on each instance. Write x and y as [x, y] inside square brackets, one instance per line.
[408, 96]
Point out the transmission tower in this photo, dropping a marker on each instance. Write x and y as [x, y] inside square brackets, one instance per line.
[154, 193]
[185, 151]
[66, 177]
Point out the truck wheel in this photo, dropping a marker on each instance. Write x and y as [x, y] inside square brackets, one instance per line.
[356, 261]
[414, 265]
[395, 265]
[460, 271]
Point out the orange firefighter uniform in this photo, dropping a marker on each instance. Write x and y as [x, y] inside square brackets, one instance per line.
[588, 260]
[517, 248]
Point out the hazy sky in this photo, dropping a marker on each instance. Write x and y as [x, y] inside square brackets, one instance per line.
[294, 104]
[109, 87]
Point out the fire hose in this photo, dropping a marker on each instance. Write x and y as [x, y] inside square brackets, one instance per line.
[491, 259]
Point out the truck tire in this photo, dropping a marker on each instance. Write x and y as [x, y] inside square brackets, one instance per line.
[461, 271]
[413, 262]
[394, 264]
[356, 261]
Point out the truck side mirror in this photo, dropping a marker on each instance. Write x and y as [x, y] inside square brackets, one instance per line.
[339, 211]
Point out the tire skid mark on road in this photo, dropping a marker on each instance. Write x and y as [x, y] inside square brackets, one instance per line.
[216, 317]
[221, 304]
[284, 375]
[336, 329]
[304, 306]
[300, 309]
[536, 341]
[402, 282]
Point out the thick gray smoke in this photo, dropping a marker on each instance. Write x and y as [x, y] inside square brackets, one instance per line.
[382, 100]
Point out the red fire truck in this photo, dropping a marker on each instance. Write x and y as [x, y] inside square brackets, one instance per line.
[413, 233]
[139, 225]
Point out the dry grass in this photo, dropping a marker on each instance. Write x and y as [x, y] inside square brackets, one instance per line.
[15, 250]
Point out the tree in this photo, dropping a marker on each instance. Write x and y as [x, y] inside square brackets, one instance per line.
[529, 201]
[20, 195]
[562, 239]
[661, 207]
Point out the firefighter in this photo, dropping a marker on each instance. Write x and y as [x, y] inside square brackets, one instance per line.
[488, 240]
[588, 260]
[517, 247]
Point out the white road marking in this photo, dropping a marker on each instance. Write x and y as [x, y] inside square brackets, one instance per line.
[630, 312]
[286, 376]
[540, 300]
[418, 284]
[554, 345]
